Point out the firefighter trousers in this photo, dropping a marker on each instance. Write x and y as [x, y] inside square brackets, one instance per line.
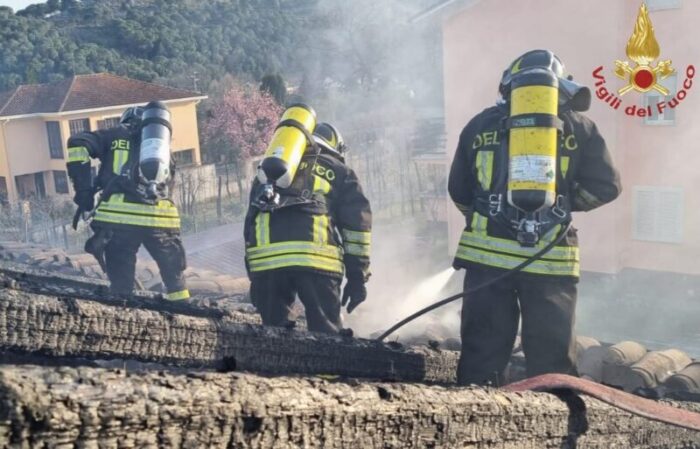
[490, 319]
[273, 294]
[165, 246]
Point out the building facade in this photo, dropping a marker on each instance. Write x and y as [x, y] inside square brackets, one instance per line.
[37, 120]
[652, 226]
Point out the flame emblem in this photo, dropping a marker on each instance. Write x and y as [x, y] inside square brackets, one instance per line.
[643, 49]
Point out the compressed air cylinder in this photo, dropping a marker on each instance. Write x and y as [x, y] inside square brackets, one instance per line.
[287, 147]
[532, 147]
[154, 156]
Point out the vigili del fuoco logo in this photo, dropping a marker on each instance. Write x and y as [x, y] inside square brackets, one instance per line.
[644, 74]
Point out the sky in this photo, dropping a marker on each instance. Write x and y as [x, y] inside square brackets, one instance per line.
[18, 4]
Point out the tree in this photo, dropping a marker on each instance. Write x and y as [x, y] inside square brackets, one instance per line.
[244, 120]
[275, 86]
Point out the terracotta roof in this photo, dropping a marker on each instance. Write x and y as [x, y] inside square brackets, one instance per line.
[80, 92]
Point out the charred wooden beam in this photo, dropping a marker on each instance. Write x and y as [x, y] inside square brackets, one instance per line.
[86, 407]
[38, 281]
[66, 327]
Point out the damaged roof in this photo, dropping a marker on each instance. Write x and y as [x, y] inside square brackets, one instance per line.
[85, 92]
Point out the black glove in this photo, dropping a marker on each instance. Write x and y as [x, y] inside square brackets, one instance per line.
[85, 200]
[355, 293]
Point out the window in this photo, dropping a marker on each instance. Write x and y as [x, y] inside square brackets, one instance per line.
[657, 5]
[53, 130]
[78, 126]
[3, 190]
[658, 214]
[653, 98]
[107, 123]
[39, 185]
[60, 180]
[184, 157]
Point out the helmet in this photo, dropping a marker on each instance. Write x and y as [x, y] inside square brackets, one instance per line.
[328, 137]
[131, 116]
[573, 95]
[542, 59]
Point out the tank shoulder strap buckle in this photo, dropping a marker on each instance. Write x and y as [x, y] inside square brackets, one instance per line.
[560, 208]
[495, 204]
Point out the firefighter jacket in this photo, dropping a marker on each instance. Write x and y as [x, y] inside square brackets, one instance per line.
[586, 179]
[323, 223]
[122, 204]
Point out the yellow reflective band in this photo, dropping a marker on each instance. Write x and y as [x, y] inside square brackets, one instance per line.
[569, 268]
[262, 229]
[285, 248]
[178, 296]
[120, 157]
[462, 207]
[321, 229]
[566, 253]
[588, 199]
[296, 260]
[479, 223]
[357, 236]
[565, 160]
[357, 249]
[116, 204]
[78, 154]
[484, 166]
[136, 220]
[321, 185]
[479, 238]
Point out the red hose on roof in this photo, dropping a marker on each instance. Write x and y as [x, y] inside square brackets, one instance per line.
[634, 404]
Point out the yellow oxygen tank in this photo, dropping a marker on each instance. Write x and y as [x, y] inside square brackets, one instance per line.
[287, 147]
[533, 140]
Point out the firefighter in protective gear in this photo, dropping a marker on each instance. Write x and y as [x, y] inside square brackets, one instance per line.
[319, 231]
[124, 218]
[544, 293]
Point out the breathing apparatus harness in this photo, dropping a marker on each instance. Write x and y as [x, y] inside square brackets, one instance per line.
[527, 224]
[270, 197]
[525, 227]
[279, 186]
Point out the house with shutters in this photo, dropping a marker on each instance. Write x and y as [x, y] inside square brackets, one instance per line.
[653, 225]
[37, 120]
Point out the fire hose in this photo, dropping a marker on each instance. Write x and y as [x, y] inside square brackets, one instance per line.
[550, 382]
[534, 258]
[636, 405]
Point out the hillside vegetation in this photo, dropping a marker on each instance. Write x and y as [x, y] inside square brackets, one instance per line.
[171, 41]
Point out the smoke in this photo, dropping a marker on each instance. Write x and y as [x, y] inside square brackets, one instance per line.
[407, 276]
[377, 76]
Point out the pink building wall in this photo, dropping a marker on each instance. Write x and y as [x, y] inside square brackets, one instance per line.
[480, 41]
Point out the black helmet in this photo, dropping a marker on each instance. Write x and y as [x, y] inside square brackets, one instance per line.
[572, 94]
[131, 116]
[543, 59]
[328, 137]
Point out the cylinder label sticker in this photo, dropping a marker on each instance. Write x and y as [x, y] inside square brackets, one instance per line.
[535, 169]
[155, 149]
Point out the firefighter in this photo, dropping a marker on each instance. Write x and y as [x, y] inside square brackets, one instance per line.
[489, 178]
[127, 214]
[319, 229]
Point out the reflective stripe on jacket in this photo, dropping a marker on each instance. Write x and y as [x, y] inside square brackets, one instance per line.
[331, 236]
[584, 171]
[117, 210]
[116, 148]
